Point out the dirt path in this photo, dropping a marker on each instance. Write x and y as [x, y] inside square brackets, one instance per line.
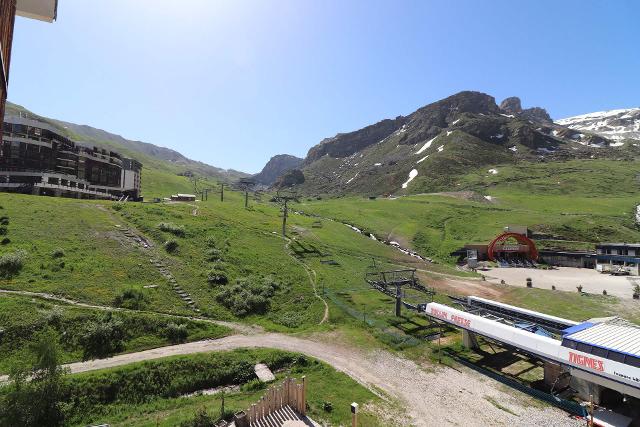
[313, 278]
[441, 397]
[237, 327]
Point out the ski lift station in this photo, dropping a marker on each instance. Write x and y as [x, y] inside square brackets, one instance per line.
[599, 359]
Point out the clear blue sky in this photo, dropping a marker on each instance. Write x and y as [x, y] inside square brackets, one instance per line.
[234, 82]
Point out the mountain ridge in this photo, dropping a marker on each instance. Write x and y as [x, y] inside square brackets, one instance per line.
[430, 149]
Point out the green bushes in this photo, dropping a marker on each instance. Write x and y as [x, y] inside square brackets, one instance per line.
[102, 338]
[176, 230]
[11, 264]
[217, 276]
[176, 333]
[34, 398]
[57, 253]
[214, 254]
[131, 298]
[171, 246]
[248, 297]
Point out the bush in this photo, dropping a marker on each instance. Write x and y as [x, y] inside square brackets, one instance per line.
[176, 333]
[131, 298]
[201, 419]
[176, 230]
[103, 338]
[117, 206]
[11, 264]
[58, 253]
[216, 276]
[5, 241]
[3, 230]
[245, 297]
[214, 254]
[4, 220]
[171, 246]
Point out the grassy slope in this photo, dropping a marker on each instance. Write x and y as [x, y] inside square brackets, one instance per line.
[594, 201]
[23, 317]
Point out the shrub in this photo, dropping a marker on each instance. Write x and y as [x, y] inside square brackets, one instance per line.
[176, 230]
[3, 230]
[5, 241]
[246, 297]
[57, 253]
[131, 298]
[211, 242]
[201, 419]
[117, 206]
[102, 338]
[4, 220]
[171, 246]
[214, 254]
[176, 333]
[216, 276]
[11, 264]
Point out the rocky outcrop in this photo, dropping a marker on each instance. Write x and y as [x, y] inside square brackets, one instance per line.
[345, 144]
[511, 105]
[290, 179]
[536, 114]
[276, 167]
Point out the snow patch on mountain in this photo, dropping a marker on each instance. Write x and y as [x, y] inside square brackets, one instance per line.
[426, 145]
[612, 124]
[412, 174]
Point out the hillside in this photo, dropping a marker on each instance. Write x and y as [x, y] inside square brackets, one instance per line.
[431, 149]
[614, 124]
[165, 170]
[275, 167]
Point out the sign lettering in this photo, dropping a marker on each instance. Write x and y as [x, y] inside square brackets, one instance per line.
[586, 361]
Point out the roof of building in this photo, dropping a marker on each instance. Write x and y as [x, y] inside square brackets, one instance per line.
[626, 245]
[616, 334]
[192, 196]
[42, 10]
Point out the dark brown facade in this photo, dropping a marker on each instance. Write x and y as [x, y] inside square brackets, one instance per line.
[7, 18]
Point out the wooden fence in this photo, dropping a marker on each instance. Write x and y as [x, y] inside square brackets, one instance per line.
[290, 393]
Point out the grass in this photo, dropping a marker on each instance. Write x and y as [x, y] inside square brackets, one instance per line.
[324, 384]
[603, 195]
[21, 318]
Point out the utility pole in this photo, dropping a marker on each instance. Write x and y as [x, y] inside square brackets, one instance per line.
[284, 218]
[398, 300]
[284, 199]
[222, 191]
[246, 183]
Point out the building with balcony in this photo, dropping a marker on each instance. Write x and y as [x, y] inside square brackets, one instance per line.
[43, 10]
[36, 159]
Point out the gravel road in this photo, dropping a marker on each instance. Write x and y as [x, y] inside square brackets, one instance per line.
[440, 397]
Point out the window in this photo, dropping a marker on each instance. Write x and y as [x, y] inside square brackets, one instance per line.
[633, 361]
[616, 357]
[585, 348]
[601, 352]
[569, 343]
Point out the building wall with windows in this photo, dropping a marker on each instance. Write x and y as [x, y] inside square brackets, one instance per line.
[36, 159]
[617, 257]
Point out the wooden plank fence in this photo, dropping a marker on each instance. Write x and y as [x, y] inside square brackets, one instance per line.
[290, 393]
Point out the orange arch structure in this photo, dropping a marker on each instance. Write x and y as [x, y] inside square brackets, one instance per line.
[525, 246]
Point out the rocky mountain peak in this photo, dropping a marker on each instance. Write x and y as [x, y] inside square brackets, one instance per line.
[511, 105]
[275, 167]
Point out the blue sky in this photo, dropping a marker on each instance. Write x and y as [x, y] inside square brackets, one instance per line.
[232, 83]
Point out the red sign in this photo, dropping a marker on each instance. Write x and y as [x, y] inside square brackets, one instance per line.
[586, 361]
[458, 320]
